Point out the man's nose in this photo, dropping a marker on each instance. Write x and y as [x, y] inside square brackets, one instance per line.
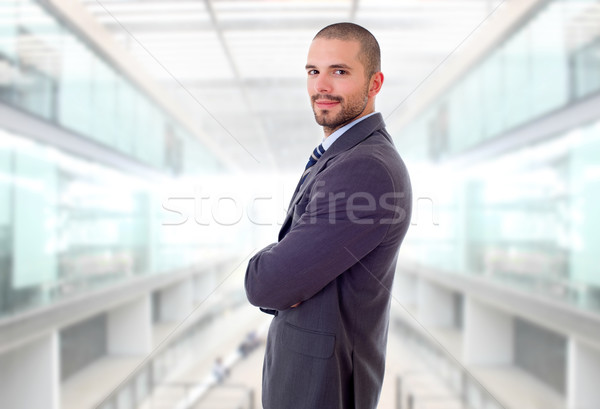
[322, 84]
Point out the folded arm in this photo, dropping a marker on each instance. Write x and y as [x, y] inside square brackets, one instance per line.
[348, 215]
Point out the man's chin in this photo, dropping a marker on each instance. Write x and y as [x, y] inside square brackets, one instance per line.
[324, 119]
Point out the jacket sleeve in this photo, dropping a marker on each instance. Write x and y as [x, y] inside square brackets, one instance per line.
[347, 215]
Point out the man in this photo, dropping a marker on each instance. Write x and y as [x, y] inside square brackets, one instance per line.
[328, 279]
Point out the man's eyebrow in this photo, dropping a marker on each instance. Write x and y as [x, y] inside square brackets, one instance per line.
[344, 66]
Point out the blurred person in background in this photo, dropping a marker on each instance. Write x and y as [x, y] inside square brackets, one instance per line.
[327, 280]
[220, 371]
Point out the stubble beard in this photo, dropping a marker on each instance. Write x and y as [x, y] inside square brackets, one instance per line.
[349, 111]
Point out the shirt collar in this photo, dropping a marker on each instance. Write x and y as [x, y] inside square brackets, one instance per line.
[327, 142]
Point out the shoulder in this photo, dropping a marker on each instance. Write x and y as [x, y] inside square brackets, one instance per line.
[376, 152]
[357, 170]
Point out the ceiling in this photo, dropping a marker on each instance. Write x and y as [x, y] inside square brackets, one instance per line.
[237, 66]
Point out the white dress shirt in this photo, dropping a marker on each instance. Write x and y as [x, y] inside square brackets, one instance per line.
[328, 141]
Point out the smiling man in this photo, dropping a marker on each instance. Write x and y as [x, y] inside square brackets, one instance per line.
[327, 280]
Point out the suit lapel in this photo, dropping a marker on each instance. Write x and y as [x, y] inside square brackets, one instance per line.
[348, 140]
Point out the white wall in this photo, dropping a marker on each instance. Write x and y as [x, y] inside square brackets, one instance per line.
[488, 334]
[130, 328]
[176, 301]
[436, 305]
[29, 375]
[583, 376]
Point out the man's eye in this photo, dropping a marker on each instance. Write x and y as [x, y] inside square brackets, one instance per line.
[340, 72]
[312, 72]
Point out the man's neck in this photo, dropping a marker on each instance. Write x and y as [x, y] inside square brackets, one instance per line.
[328, 131]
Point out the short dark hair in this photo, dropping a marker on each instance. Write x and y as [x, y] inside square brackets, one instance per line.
[369, 55]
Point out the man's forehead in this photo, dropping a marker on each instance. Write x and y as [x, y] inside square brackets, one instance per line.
[334, 49]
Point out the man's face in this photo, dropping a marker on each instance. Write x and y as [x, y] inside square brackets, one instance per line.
[337, 85]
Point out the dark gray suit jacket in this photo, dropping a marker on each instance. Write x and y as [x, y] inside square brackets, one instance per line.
[336, 255]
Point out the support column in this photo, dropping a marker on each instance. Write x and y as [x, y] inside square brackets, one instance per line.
[32, 367]
[435, 305]
[204, 284]
[130, 328]
[405, 289]
[176, 301]
[488, 334]
[582, 375]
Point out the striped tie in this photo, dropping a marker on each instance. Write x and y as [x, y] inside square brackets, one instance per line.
[311, 161]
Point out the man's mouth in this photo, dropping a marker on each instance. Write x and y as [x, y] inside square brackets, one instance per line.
[325, 103]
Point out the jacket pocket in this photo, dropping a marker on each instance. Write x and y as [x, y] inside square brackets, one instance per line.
[307, 342]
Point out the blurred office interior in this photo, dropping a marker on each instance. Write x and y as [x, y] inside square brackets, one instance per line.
[149, 147]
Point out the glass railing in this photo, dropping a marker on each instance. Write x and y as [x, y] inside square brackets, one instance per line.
[523, 218]
[547, 63]
[49, 71]
[461, 389]
[152, 384]
[68, 226]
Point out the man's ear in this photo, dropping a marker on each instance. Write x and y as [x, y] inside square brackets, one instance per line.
[376, 83]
